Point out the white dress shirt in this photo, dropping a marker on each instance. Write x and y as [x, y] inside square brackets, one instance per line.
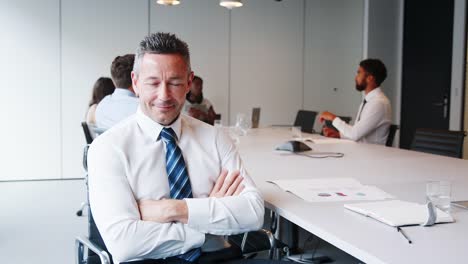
[374, 122]
[204, 106]
[127, 163]
[115, 107]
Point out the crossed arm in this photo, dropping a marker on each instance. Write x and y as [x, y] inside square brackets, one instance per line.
[170, 210]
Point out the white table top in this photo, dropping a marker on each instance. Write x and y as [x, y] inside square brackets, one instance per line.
[399, 172]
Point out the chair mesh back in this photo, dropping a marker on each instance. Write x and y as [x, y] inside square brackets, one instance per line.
[305, 119]
[391, 135]
[440, 142]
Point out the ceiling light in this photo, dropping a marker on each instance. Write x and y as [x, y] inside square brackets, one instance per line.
[168, 2]
[230, 4]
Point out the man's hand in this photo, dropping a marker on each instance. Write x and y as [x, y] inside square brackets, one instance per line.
[163, 211]
[330, 132]
[228, 184]
[327, 116]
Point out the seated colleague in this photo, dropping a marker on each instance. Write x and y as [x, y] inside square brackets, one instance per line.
[374, 116]
[163, 185]
[123, 102]
[102, 87]
[196, 105]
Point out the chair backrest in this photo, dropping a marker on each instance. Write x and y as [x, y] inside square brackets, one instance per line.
[440, 142]
[87, 132]
[93, 233]
[305, 119]
[347, 119]
[391, 135]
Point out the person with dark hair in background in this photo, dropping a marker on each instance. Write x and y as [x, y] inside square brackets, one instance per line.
[196, 105]
[373, 120]
[102, 87]
[122, 102]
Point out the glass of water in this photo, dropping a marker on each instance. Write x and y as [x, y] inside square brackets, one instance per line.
[243, 124]
[296, 132]
[439, 193]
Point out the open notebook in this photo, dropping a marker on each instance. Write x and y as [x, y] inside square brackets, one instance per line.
[398, 213]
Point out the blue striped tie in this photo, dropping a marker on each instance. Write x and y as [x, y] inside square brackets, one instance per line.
[179, 183]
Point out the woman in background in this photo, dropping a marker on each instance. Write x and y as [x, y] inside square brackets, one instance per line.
[102, 87]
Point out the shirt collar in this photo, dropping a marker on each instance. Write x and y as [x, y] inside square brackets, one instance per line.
[152, 129]
[373, 94]
[124, 92]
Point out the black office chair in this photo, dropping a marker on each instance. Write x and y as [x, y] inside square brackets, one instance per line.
[305, 119]
[439, 142]
[88, 136]
[262, 240]
[94, 244]
[391, 135]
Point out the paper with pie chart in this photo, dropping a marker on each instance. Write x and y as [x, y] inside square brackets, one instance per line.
[332, 190]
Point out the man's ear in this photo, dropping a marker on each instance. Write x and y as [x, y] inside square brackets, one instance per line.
[134, 83]
[370, 78]
[189, 81]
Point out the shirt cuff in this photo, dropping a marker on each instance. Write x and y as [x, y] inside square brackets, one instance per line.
[338, 123]
[198, 212]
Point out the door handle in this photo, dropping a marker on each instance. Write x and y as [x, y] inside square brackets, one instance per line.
[443, 104]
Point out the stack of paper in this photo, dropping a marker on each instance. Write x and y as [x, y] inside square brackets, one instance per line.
[331, 190]
[398, 213]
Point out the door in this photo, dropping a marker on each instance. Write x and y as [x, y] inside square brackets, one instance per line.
[427, 67]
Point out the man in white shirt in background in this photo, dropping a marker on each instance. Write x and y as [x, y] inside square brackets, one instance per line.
[165, 187]
[123, 102]
[373, 120]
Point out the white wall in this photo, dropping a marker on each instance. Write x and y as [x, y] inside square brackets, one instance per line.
[93, 34]
[30, 109]
[333, 49]
[281, 56]
[384, 41]
[266, 60]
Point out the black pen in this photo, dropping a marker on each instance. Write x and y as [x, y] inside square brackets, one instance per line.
[404, 235]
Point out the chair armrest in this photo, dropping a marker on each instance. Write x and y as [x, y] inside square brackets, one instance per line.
[271, 239]
[82, 242]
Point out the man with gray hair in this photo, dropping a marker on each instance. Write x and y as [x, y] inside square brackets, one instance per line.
[164, 187]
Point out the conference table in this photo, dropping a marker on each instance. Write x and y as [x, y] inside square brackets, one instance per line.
[401, 173]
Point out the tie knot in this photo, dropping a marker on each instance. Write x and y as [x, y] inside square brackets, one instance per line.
[168, 135]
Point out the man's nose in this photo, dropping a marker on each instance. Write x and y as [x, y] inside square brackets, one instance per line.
[164, 92]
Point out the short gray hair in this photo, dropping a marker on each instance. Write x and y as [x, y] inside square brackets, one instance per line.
[161, 43]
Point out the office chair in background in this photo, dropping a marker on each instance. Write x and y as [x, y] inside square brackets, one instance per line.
[440, 142]
[391, 134]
